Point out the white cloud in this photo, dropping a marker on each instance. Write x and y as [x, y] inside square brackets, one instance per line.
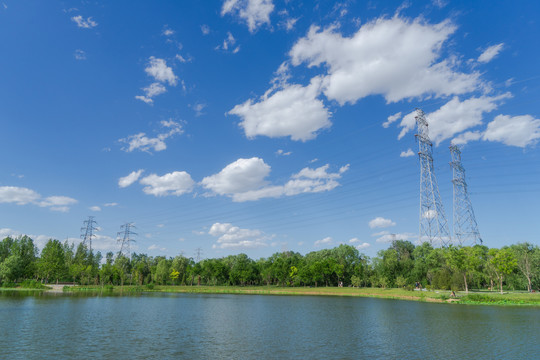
[466, 137]
[158, 69]
[281, 152]
[391, 119]
[293, 111]
[490, 53]
[396, 58]
[95, 208]
[407, 153]
[386, 238]
[24, 196]
[151, 91]
[156, 247]
[175, 183]
[520, 131]
[254, 13]
[18, 195]
[380, 222]
[454, 117]
[79, 54]
[233, 237]
[363, 246]
[205, 29]
[82, 23]
[239, 176]
[244, 180]
[130, 179]
[229, 43]
[144, 143]
[110, 204]
[326, 241]
[198, 108]
[167, 32]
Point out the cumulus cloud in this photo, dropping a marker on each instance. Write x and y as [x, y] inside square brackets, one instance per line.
[130, 179]
[163, 74]
[454, 117]
[520, 131]
[144, 143]
[233, 237]
[150, 92]
[82, 23]
[254, 13]
[407, 153]
[158, 69]
[110, 204]
[239, 176]
[388, 238]
[361, 245]
[57, 203]
[24, 196]
[326, 241]
[380, 222]
[95, 208]
[490, 53]
[245, 180]
[391, 119]
[378, 60]
[293, 110]
[205, 29]
[174, 183]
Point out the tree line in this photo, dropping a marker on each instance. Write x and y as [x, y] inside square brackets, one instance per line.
[403, 264]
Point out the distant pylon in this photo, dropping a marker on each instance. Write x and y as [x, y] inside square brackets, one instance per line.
[88, 231]
[198, 254]
[124, 238]
[465, 226]
[433, 225]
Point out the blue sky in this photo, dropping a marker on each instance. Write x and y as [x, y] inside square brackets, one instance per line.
[259, 126]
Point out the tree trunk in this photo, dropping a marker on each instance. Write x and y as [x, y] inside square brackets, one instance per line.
[466, 286]
[501, 281]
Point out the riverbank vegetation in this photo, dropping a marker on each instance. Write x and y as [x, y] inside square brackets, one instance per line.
[403, 265]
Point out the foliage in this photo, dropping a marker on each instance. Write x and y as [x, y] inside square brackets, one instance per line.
[401, 265]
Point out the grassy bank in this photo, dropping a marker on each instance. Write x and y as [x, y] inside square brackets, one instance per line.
[486, 298]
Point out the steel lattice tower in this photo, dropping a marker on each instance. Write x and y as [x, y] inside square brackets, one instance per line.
[124, 239]
[465, 226]
[433, 224]
[88, 231]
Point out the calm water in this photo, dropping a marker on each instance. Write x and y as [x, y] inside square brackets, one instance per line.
[182, 326]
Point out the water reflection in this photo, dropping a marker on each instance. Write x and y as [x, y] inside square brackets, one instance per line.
[143, 325]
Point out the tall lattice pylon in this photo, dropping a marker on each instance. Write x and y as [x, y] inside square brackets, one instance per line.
[465, 226]
[88, 231]
[124, 238]
[433, 225]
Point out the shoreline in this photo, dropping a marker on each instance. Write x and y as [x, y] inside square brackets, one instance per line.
[438, 296]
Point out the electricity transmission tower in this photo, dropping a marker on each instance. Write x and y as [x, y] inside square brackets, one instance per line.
[433, 224]
[465, 226]
[88, 231]
[124, 238]
[198, 254]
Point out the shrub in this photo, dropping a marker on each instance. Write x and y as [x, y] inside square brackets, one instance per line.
[150, 286]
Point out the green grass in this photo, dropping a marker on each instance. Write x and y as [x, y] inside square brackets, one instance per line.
[441, 296]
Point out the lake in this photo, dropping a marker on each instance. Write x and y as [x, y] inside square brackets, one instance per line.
[202, 326]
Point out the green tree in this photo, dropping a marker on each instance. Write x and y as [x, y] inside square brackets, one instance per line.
[528, 261]
[52, 263]
[504, 262]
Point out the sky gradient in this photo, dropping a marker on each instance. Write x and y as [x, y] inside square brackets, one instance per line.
[259, 126]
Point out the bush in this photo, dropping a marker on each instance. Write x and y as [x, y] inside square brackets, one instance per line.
[150, 286]
[32, 284]
[108, 287]
[9, 285]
